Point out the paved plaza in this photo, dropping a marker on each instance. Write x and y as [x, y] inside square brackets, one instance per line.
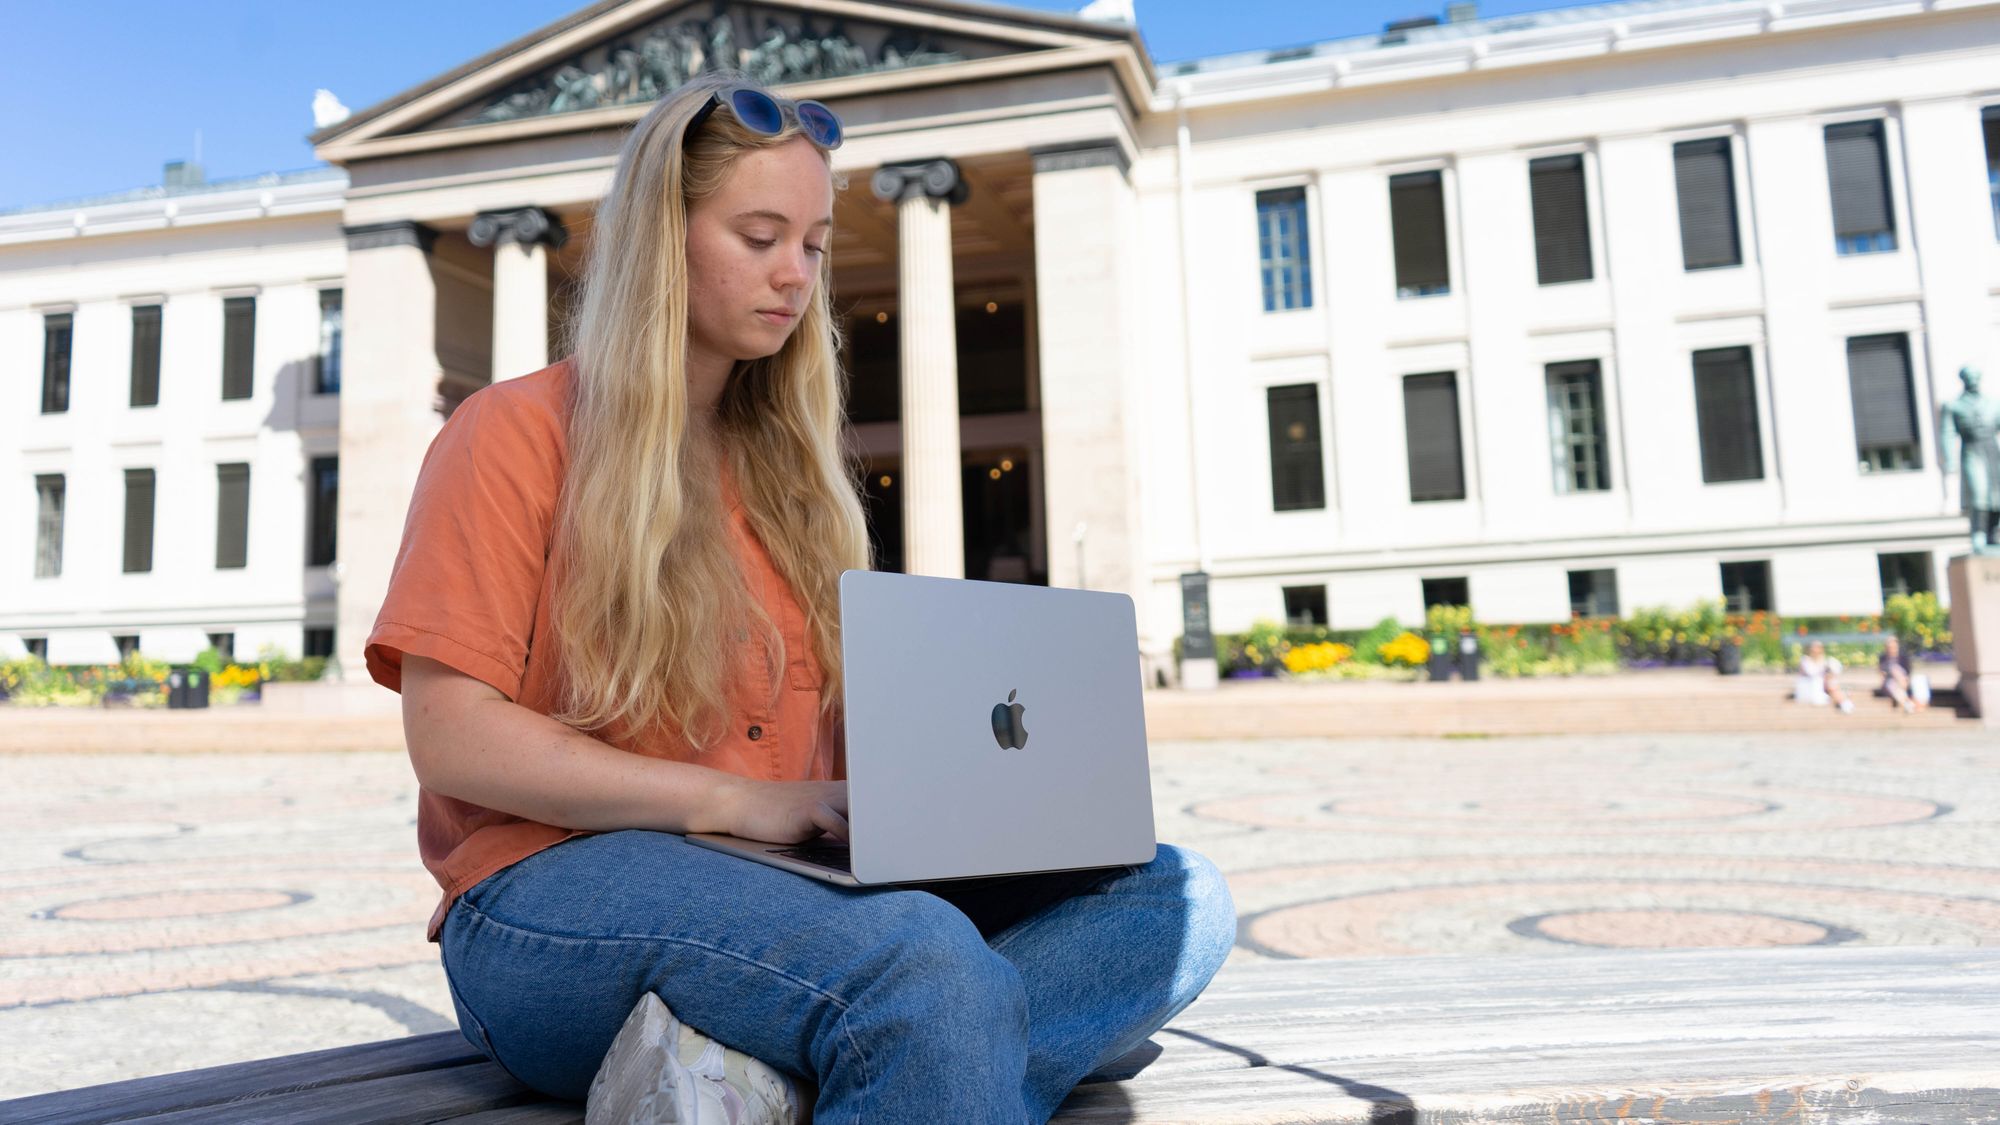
[160, 912]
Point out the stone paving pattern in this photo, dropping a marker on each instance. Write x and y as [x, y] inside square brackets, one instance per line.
[161, 912]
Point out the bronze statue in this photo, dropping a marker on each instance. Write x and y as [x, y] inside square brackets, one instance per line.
[1974, 419]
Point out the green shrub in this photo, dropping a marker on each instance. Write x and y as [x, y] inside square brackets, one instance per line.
[1368, 648]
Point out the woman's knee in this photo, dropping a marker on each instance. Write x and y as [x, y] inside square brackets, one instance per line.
[926, 961]
[1211, 909]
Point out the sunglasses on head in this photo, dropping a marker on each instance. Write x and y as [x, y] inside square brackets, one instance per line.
[761, 112]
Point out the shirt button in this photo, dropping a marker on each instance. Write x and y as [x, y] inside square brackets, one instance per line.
[756, 732]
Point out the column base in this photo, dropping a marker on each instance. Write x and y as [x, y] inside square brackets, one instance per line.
[1200, 674]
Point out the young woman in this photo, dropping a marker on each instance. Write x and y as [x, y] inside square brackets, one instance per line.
[611, 623]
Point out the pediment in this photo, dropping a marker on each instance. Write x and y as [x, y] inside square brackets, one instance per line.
[629, 54]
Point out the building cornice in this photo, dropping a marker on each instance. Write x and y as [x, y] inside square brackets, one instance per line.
[253, 201]
[1501, 44]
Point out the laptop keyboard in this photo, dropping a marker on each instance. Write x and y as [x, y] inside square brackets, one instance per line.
[826, 855]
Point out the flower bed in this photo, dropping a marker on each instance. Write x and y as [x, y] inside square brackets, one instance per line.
[141, 681]
[1652, 637]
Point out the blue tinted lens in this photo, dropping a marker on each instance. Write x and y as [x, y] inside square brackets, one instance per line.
[757, 111]
[819, 124]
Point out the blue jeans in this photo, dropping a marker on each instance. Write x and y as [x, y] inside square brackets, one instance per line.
[965, 1001]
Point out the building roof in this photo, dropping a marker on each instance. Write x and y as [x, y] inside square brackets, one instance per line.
[1440, 33]
[211, 187]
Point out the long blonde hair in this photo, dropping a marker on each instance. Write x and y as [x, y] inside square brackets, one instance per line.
[649, 603]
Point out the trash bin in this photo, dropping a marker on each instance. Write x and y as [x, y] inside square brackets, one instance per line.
[197, 687]
[1468, 655]
[1441, 662]
[177, 692]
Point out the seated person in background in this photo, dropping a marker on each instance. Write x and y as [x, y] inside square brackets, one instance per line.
[1819, 679]
[1897, 683]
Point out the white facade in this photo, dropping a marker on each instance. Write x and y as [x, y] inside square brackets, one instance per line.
[276, 241]
[1151, 353]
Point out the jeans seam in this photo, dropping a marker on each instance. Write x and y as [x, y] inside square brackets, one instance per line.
[846, 1031]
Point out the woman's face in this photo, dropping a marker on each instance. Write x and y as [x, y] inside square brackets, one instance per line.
[754, 251]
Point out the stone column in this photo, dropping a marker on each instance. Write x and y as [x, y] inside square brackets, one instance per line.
[933, 511]
[388, 415]
[1975, 633]
[521, 240]
[1087, 321]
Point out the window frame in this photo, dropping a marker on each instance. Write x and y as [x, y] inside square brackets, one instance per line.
[1990, 111]
[313, 516]
[1738, 197]
[1309, 592]
[249, 359]
[159, 316]
[1447, 198]
[242, 560]
[1919, 406]
[1459, 426]
[1308, 216]
[1759, 399]
[1927, 571]
[46, 544]
[1560, 443]
[1770, 587]
[1592, 210]
[55, 386]
[1571, 576]
[1892, 145]
[129, 552]
[1317, 387]
[320, 383]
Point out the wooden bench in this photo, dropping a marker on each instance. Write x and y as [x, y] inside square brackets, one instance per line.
[1814, 1034]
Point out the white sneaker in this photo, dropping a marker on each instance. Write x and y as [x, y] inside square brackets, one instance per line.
[1846, 706]
[698, 1082]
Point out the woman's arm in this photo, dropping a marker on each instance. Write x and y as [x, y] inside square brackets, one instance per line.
[469, 741]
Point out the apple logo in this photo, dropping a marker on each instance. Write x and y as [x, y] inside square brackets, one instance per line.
[1007, 728]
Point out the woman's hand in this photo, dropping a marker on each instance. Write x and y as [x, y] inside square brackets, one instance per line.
[786, 812]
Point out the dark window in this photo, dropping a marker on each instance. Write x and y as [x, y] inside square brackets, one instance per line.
[232, 516]
[325, 517]
[1446, 591]
[224, 643]
[1989, 120]
[55, 362]
[38, 647]
[1593, 593]
[1297, 479]
[1416, 221]
[1904, 573]
[1562, 218]
[1305, 605]
[319, 642]
[1746, 586]
[1430, 421]
[1283, 251]
[1705, 180]
[1576, 426]
[1725, 409]
[326, 379]
[138, 521]
[128, 644]
[146, 355]
[49, 496]
[239, 346]
[1885, 412]
[1863, 219]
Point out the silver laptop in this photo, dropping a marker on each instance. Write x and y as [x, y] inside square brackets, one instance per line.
[992, 729]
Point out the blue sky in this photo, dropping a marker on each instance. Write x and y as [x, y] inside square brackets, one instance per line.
[101, 95]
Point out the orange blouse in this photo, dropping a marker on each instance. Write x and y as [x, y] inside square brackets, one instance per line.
[469, 590]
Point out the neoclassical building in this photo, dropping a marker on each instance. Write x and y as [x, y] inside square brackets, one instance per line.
[1582, 310]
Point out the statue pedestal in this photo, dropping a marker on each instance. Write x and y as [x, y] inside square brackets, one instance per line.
[1975, 633]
